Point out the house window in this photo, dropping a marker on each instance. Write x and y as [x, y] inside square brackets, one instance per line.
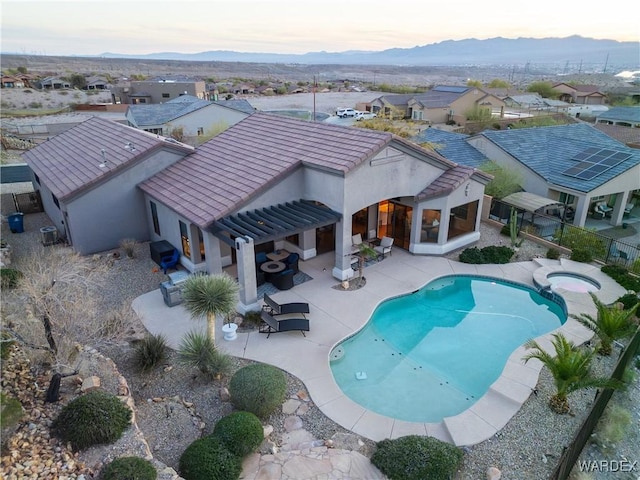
[200, 131]
[567, 198]
[430, 226]
[35, 175]
[55, 200]
[154, 217]
[166, 95]
[184, 236]
[417, 114]
[462, 220]
[201, 242]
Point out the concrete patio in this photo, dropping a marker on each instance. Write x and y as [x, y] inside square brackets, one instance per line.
[336, 314]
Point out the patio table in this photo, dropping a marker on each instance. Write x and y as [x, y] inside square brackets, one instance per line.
[278, 255]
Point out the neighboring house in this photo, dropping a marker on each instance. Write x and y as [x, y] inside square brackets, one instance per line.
[576, 165]
[623, 116]
[196, 117]
[96, 83]
[525, 100]
[267, 182]
[629, 136]
[583, 94]
[441, 104]
[11, 82]
[87, 177]
[52, 83]
[156, 91]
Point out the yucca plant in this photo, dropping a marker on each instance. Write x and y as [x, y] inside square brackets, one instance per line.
[151, 351]
[611, 323]
[570, 368]
[210, 295]
[198, 350]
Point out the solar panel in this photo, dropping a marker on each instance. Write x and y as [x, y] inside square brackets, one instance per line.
[594, 161]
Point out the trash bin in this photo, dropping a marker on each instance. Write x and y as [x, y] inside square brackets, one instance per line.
[16, 222]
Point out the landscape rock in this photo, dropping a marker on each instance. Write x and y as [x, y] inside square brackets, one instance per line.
[493, 473]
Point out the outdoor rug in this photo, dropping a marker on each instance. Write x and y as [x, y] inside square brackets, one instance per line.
[269, 289]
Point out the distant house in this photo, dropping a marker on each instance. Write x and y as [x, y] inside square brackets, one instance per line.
[629, 136]
[622, 116]
[96, 83]
[155, 91]
[525, 100]
[576, 165]
[194, 116]
[11, 82]
[52, 83]
[441, 104]
[582, 94]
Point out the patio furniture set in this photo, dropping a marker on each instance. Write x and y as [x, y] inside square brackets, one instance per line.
[380, 246]
[277, 268]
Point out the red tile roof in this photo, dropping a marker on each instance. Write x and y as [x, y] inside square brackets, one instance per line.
[70, 162]
[228, 170]
[447, 182]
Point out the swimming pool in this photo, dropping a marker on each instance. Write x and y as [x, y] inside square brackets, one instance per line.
[433, 353]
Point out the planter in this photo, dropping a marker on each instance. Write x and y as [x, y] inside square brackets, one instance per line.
[229, 331]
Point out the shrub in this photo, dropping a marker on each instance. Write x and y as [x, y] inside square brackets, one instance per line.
[258, 388]
[506, 230]
[129, 468]
[35, 105]
[150, 352]
[198, 350]
[94, 418]
[252, 318]
[129, 246]
[491, 254]
[612, 427]
[553, 253]
[580, 255]
[208, 459]
[622, 276]
[6, 340]
[241, 432]
[9, 277]
[11, 410]
[577, 238]
[416, 458]
[629, 301]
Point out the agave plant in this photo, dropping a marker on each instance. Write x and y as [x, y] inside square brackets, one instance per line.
[570, 368]
[611, 323]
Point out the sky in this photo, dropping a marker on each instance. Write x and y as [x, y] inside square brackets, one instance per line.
[93, 27]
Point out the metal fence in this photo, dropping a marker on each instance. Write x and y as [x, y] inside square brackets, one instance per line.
[571, 453]
[562, 233]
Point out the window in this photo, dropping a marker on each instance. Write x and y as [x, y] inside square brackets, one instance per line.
[184, 235]
[566, 198]
[430, 226]
[55, 200]
[154, 217]
[200, 131]
[201, 242]
[37, 178]
[166, 95]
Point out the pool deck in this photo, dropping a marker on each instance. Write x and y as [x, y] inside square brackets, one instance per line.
[336, 314]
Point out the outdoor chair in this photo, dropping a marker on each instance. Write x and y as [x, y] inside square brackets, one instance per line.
[283, 280]
[292, 262]
[261, 258]
[170, 261]
[271, 324]
[603, 210]
[356, 241]
[275, 308]
[385, 247]
[628, 207]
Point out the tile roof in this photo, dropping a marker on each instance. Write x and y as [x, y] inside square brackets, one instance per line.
[437, 99]
[230, 169]
[447, 182]
[70, 162]
[627, 135]
[241, 105]
[452, 146]
[621, 114]
[160, 113]
[548, 151]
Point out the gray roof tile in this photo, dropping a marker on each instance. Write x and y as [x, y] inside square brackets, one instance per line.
[70, 162]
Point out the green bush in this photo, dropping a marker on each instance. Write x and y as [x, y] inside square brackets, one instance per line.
[252, 318]
[623, 277]
[208, 459]
[9, 277]
[10, 409]
[491, 254]
[258, 388]
[198, 350]
[506, 230]
[241, 432]
[417, 458]
[94, 418]
[580, 255]
[6, 341]
[553, 253]
[151, 351]
[584, 239]
[129, 468]
[629, 301]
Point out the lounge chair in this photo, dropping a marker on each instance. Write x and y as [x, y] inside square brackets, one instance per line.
[385, 247]
[628, 207]
[272, 324]
[282, 280]
[275, 308]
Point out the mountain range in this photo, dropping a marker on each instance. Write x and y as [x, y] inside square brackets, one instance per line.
[588, 52]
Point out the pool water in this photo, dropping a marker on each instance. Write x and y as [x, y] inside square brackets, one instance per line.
[434, 353]
[572, 282]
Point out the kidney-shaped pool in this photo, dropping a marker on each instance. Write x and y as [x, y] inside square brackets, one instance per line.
[433, 353]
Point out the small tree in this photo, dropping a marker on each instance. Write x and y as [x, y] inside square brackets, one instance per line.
[365, 252]
[611, 323]
[544, 89]
[570, 368]
[505, 180]
[210, 295]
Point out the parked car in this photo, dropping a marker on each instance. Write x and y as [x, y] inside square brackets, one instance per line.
[365, 116]
[345, 112]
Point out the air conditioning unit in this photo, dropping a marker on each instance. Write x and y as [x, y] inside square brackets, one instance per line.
[49, 235]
